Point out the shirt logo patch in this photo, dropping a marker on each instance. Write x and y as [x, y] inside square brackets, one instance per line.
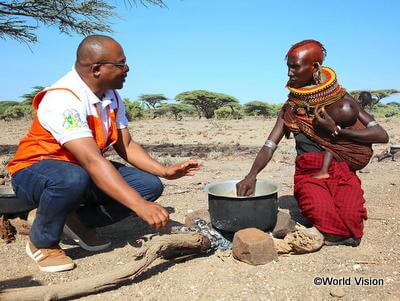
[72, 120]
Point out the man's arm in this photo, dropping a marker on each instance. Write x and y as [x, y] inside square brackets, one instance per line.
[247, 185]
[134, 154]
[107, 178]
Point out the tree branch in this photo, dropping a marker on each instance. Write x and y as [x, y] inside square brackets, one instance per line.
[193, 242]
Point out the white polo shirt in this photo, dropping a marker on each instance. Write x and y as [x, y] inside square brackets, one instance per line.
[65, 116]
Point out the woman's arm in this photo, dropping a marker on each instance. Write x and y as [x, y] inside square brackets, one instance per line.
[373, 133]
[247, 185]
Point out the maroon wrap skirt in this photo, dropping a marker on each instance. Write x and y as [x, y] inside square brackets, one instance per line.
[334, 205]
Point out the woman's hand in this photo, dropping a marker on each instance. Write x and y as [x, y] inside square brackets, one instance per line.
[246, 186]
[324, 121]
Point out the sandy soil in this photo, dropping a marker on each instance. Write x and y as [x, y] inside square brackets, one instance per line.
[226, 149]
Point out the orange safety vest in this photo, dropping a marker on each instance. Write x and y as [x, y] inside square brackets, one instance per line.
[40, 144]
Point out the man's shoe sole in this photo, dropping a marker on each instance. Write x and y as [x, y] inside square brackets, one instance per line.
[82, 244]
[49, 269]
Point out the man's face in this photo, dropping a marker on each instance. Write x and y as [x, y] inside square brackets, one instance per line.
[113, 67]
[300, 69]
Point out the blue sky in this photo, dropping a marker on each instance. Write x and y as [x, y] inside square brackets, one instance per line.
[233, 47]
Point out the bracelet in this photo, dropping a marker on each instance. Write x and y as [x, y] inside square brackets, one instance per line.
[336, 132]
[372, 123]
[270, 144]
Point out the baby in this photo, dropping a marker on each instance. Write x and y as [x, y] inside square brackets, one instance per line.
[345, 115]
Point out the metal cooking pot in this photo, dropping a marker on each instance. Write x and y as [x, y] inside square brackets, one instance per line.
[10, 204]
[232, 213]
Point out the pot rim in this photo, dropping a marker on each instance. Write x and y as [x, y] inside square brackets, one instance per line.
[209, 185]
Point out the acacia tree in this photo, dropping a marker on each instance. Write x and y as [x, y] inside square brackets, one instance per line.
[152, 101]
[260, 108]
[20, 18]
[206, 102]
[175, 109]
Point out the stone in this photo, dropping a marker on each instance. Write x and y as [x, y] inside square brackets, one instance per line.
[337, 292]
[253, 246]
[192, 216]
[284, 225]
[282, 247]
[305, 240]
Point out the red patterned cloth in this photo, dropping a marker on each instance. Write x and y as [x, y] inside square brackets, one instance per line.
[334, 205]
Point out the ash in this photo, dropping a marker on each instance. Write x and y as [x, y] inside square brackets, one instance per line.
[218, 241]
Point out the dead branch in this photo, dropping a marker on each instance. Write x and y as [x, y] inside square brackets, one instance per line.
[148, 253]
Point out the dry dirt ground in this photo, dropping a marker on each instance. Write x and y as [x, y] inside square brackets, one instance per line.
[226, 149]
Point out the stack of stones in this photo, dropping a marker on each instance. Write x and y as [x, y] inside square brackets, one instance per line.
[252, 245]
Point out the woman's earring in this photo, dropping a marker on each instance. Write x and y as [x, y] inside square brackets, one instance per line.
[317, 75]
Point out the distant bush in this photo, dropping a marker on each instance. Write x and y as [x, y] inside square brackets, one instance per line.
[6, 104]
[389, 110]
[18, 111]
[134, 109]
[260, 108]
[394, 103]
[177, 110]
[228, 113]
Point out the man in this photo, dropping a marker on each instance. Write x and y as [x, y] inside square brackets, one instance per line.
[59, 166]
[335, 205]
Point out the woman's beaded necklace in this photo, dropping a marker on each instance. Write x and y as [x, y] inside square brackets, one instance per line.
[328, 92]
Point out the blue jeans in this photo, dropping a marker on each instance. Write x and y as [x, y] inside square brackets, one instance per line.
[56, 188]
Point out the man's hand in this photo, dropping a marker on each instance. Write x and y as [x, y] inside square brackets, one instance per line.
[246, 186]
[324, 121]
[153, 214]
[177, 171]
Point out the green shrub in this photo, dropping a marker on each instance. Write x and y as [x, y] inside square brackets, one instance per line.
[176, 110]
[260, 108]
[228, 113]
[389, 110]
[134, 109]
[6, 104]
[17, 112]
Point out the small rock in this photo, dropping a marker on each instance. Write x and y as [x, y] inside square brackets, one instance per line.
[282, 247]
[253, 246]
[337, 292]
[201, 214]
[284, 225]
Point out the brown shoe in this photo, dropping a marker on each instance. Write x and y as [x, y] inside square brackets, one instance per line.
[50, 260]
[86, 237]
